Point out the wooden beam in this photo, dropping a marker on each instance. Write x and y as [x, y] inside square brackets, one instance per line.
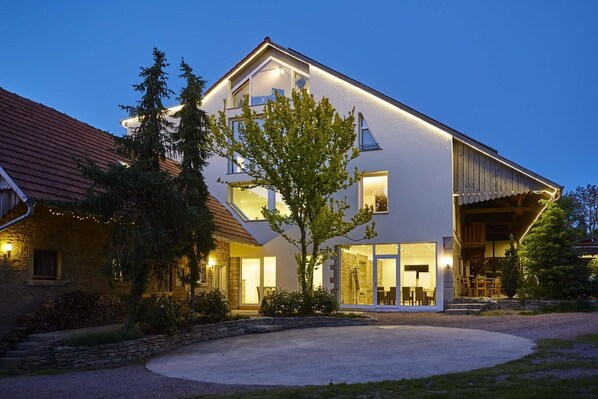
[511, 209]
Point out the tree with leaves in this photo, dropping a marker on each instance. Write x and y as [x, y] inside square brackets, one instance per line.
[191, 142]
[547, 253]
[510, 274]
[301, 151]
[585, 209]
[143, 198]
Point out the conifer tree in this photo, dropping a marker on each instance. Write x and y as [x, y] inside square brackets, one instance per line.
[191, 142]
[510, 274]
[142, 198]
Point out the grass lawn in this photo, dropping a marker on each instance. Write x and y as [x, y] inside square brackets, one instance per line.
[557, 369]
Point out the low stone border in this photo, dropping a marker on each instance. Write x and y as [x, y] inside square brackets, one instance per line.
[527, 304]
[55, 354]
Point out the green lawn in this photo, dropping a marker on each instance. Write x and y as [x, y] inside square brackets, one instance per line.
[557, 369]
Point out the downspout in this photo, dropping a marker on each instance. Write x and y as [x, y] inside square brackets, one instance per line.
[30, 204]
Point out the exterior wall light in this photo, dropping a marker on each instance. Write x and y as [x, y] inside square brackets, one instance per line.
[8, 249]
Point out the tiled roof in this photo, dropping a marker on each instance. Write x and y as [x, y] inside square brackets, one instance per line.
[38, 148]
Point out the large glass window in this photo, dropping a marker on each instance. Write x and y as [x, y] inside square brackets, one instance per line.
[272, 77]
[248, 202]
[375, 191]
[250, 281]
[418, 274]
[357, 275]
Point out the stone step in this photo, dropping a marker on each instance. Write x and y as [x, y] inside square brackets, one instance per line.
[263, 329]
[455, 312]
[17, 353]
[27, 346]
[10, 362]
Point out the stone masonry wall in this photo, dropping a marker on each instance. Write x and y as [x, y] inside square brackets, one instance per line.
[55, 354]
[80, 247]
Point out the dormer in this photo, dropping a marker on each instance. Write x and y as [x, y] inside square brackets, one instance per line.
[269, 73]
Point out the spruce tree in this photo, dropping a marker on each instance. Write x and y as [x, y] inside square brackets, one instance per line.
[191, 142]
[143, 199]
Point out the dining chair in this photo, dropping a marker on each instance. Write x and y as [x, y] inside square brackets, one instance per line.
[497, 287]
[381, 296]
[419, 295]
[466, 286]
[480, 286]
[406, 295]
[392, 296]
[430, 300]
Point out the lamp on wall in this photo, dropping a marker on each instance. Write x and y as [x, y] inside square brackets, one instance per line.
[8, 248]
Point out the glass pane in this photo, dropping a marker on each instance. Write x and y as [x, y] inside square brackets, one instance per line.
[250, 281]
[387, 249]
[418, 274]
[366, 138]
[301, 82]
[375, 192]
[249, 202]
[271, 78]
[270, 272]
[282, 206]
[239, 95]
[238, 163]
[386, 276]
[357, 275]
[318, 272]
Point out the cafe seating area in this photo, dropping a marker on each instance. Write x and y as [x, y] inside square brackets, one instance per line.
[480, 286]
[410, 296]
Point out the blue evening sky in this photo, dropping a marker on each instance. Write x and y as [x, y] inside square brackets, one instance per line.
[520, 76]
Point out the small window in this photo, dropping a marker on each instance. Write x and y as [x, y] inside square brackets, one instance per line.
[45, 264]
[239, 94]
[367, 141]
[375, 191]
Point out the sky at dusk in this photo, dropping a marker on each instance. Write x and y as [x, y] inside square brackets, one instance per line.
[520, 76]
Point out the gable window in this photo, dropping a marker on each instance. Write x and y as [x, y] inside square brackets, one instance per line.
[45, 264]
[270, 78]
[374, 189]
[367, 141]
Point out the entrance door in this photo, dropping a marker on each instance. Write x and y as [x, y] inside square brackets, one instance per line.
[386, 281]
[250, 281]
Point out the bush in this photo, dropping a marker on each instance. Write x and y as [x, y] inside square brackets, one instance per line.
[106, 337]
[285, 303]
[282, 303]
[324, 301]
[510, 275]
[211, 306]
[164, 315]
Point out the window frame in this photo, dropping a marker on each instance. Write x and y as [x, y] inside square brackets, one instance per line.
[362, 190]
[249, 79]
[57, 264]
[360, 121]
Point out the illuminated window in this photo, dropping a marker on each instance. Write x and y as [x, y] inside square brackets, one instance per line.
[248, 202]
[375, 191]
[366, 139]
[270, 78]
[281, 205]
[239, 94]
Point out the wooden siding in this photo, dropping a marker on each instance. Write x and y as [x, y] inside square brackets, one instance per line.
[8, 198]
[478, 177]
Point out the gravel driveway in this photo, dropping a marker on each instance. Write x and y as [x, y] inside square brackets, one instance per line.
[135, 381]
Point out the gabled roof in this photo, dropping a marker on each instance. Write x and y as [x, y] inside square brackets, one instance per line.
[481, 147]
[39, 146]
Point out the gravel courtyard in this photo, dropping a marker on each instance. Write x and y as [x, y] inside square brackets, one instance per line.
[134, 381]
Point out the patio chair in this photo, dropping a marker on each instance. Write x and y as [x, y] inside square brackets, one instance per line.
[480, 286]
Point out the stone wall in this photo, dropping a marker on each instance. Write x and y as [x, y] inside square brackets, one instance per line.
[80, 247]
[55, 354]
[234, 282]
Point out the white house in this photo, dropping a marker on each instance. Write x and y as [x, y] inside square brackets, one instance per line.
[445, 203]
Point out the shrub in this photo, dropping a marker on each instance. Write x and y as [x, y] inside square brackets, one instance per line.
[282, 303]
[324, 301]
[164, 315]
[510, 270]
[211, 306]
[106, 337]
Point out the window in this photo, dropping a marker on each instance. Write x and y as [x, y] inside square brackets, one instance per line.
[258, 279]
[239, 94]
[367, 141]
[45, 264]
[269, 78]
[248, 202]
[375, 191]
[238, 163]
[418, 274]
